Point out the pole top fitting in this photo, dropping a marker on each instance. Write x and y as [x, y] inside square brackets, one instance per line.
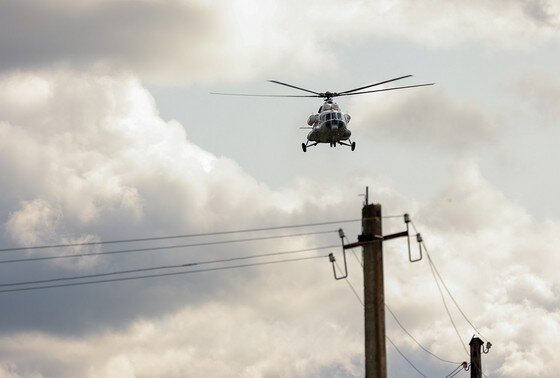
[366, 196]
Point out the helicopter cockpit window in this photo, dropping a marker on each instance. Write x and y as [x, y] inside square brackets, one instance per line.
[329, 116]
[339, 116]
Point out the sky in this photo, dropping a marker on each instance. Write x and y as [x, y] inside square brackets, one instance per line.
[108, 131]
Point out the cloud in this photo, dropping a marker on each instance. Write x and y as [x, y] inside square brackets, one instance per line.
[430, 119]
[542, 93]
[493, 24]
[189, 41]
[170, 42]
[87, 155]
[89, 158]
[184, 340]
[492, 246]
[542, 12]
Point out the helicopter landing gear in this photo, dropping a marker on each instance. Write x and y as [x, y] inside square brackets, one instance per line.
[305, 145]
[352, 145]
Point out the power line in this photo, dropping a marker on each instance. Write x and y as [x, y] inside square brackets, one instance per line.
[457, 370]
[180, 236]
[403, 356]
[445, 286]
[164, 267]
[350, 285]
[354, 253]
[416, 341]
[387, 337]
[395, 317]
[450, 295]
[162, 274]
[137, 250]
[447, 308]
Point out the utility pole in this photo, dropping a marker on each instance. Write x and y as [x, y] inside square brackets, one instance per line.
[374, 302]
[371, 240]
[476, 361]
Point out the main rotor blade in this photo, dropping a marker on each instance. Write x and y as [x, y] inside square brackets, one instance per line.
[293, 86]
[258, 95]
[386, 89]
[373, 85]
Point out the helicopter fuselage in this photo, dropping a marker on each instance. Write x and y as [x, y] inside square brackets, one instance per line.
[329, 128]
[329, 125]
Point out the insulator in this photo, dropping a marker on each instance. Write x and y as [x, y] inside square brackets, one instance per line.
[331, 258]
[341, 233]
[406, 218]
[419, 238]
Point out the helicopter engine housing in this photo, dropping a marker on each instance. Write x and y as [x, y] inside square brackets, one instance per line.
[313, 119]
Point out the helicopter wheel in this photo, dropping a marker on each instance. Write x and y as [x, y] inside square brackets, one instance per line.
[353, 146]
[303, 147]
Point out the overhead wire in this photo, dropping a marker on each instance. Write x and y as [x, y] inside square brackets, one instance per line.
[414, 339]
[432, 264]
[387, 337]
[447, 310]
[457, 370]
[163, 267]
[163, 274]
[395, 317]
[403, 356]
[271, 228]
[159, 248]
[181, 236]
[434, 270]
[351, 286]
[354, 253]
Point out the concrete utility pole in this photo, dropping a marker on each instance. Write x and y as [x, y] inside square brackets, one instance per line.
[374, 302]
[476, 361]
[371, 240]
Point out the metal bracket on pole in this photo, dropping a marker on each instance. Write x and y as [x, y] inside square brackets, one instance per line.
[366, 239]
[332, 259]
[418, 239]
[363, 240]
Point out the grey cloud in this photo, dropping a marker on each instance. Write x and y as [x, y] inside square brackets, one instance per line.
[137, 35]
[542, 92]
[428, 119]
[540, 12]
[87, 157]
[166, 42]
[185, 41]
[97, 138]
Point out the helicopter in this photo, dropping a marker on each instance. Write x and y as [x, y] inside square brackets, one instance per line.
[329, 124]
